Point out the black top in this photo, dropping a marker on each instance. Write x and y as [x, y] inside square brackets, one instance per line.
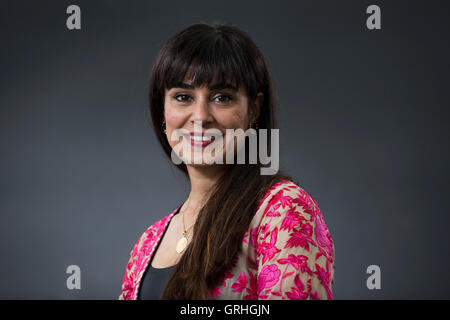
[154, 280]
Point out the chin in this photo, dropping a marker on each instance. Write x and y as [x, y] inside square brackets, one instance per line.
[204, 164]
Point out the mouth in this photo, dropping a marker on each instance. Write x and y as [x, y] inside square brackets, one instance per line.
[199, 139]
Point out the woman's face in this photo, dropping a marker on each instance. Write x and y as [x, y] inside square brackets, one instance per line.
[202, 108]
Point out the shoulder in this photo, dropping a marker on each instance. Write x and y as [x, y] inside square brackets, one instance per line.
[287, 193]
[287, 207]
[152, 233]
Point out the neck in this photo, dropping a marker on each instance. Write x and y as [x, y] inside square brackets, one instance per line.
[202, 180]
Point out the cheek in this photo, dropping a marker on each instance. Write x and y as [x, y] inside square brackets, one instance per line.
[172, 121]
[235, 119]
[173, 118]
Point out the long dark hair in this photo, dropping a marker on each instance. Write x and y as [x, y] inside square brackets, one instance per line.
[224, 54]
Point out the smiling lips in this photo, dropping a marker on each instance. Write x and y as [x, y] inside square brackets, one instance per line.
[199, 139]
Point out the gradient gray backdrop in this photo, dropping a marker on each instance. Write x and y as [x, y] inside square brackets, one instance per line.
[363, 119]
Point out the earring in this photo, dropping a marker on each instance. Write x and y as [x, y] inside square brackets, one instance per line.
[164, 126]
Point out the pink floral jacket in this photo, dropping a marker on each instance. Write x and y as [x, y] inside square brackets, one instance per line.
[287, 252]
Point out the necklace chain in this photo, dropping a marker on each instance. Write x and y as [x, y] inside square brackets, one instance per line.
[182, 216]
[182, 243]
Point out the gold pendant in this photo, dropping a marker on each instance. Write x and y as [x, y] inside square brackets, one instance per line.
[181, 245]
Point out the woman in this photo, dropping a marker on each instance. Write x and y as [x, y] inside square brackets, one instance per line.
[240, 234]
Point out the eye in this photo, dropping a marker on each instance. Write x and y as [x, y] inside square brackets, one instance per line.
[223, 98]
[183, 97]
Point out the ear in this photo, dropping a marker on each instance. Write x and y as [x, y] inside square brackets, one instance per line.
[256, 107]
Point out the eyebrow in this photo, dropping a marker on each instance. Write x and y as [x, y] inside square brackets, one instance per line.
[219, 86]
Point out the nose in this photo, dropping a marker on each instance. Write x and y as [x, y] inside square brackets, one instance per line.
[200, 111]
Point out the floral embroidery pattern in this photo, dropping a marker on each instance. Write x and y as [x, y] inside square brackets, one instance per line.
[287, 252]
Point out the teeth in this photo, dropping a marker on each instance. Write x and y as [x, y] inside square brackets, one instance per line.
[200, 138]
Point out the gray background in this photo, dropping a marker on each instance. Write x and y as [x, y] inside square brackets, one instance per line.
[363, 118]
